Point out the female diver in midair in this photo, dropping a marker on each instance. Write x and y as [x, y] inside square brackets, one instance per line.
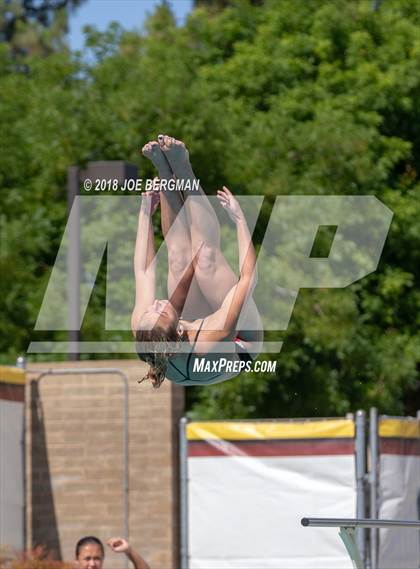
[200, 281]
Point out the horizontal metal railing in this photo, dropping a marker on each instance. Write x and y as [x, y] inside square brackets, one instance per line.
[355, 523]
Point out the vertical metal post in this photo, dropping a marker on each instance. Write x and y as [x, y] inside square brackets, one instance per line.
[374, 469]
[21, 364]
[73, 259]
[418, 495]
[360, 479]
[183, 465]
[126, 488]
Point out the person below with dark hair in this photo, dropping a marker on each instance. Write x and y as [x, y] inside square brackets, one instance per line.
[90, 552]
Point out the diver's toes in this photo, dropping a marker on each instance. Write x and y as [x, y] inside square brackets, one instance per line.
[154, 146]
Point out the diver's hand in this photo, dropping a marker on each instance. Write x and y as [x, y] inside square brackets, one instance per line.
[230, 204]
[151, 198]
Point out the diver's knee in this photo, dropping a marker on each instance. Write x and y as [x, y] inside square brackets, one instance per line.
[179, 259]
[206, 260]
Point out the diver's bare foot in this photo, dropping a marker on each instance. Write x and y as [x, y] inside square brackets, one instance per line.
[176, 154]
[154, 153]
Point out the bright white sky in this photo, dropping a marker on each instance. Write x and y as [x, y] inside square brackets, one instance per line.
[129, 13]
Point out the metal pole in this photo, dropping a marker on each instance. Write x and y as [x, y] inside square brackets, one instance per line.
[360, 479]
[418, 495]
[354, 523]
[183, 464]
[73, 259]
[105, 170]
[347, 531]
[374, 470]
[122, 375]
[21, 364]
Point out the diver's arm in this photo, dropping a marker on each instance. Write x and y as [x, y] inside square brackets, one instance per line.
[144, 257]
[247, 257]
[180, 293]
[222, 324]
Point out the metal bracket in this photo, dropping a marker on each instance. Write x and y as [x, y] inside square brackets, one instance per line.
[348, 535]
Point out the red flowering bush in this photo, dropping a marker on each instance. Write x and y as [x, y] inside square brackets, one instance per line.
[37, 558]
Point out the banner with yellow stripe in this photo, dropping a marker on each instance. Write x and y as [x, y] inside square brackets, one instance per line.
[12, 375]
[250, 430]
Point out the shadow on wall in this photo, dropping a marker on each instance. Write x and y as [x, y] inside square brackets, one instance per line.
[43, 522]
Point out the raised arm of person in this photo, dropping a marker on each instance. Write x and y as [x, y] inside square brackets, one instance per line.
[247, 257]
[221, 325]
[144, 256]
[120, 545]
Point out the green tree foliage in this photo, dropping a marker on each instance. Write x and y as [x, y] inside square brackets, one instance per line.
[307, 98]
[216, 5]
[34, 26]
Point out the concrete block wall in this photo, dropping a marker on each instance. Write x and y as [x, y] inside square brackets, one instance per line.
[75, 461]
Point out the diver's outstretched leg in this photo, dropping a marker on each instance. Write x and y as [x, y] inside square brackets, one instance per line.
[176, 231]
[215, 276]
[204, 223]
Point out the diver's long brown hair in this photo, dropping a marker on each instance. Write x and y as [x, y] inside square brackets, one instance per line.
[157, 359]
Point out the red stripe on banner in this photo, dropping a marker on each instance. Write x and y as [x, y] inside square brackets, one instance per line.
[217, 447]
[11, 392]
[400, 446]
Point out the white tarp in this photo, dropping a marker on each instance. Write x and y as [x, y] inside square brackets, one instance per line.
[11, 474]
[245, 511]
[399, 493]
